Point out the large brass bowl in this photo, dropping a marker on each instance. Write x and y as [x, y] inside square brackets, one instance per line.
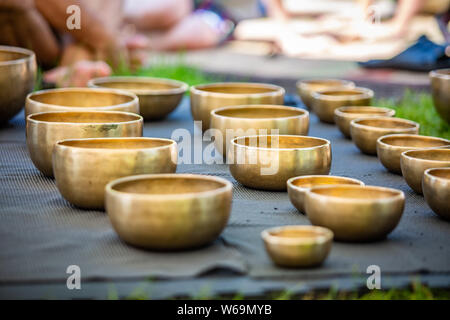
[298, 246]
[414, 163]
[17, 76]
[390, 148]
[440, 88]
[305, 88]
[267, 162]
[299, 186]
[157, 97]
[366, 131]
[344, 115]
[169, 211]
[326, 101]
[83, 167]
[355, 213]
[257, 119]
[45, 129]
[436, 189]
[81, 99]
[208, 97]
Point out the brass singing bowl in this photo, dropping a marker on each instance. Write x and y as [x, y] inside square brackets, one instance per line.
[250, 120]
[415, 162]
[266, 162]
[298, 187]
[390, 148]
[169, 211]
[436, 189]
[298, 246]
[83, 167]
[208, 97]
[344, 115]
[326, 101]
[157, 97]
[81, 99]
[355, 213]
[440, 88]
[17, 76]
[305, 88]
[366, 131]
[45, 129]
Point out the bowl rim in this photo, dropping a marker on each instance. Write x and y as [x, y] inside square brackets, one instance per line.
[325, 144]
[30, 55]
[227, 187]
[363, 93]
[355, 123]
[138, 119]
[414, 136]
[323, 236]
[406, 155]
[340, 112]
[290, 182]
[181, 87]
[302, 84]
[59, 144]
[429, 174]
[438, 74]
[275, 90]
[304, 113]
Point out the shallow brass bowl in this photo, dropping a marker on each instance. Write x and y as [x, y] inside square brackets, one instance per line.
[390, 148]
[81, 99]
[45, 129]
[208, 97]
[440, 88]
[326, 101]
[250, 120]
[169, 211]
[355, 213]
[298, 246]
[344, 115]
[305, 88]
[414, 163]
[299, 186]
[436, 189]
[83, 167]
[157, 97]
[267, 162]
[17, 76]
[366, 131]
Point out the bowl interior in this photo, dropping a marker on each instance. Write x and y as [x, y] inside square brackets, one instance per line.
[309, 182]
[82, 98]
[387, 123]
[280, 142]
[360, 193]
[414, 141]
[297, 233]
[85, 117]
[6, 55]
[443, 173]
[111, 143]
[147, 85]
[238, 89]
[259, 112]
[363, 110]
[430, 154]
[342, 93]
[317, 85]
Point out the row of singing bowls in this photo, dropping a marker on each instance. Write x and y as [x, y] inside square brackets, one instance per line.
[17, 77]
[344, 115]
[266, 162]
[414, 163]
[390, 148]
[44, 129]
[440, 88]
[250, 120]
[208, 97]
[157, 97]
[436, 189]
[327, 101]
[169, 212]
[305, 88]
[366, 131]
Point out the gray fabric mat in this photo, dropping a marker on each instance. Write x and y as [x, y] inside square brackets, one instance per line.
[41, 234]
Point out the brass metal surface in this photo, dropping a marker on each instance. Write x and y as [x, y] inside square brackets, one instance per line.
[305, 88]
[436, 189]
[440, 89]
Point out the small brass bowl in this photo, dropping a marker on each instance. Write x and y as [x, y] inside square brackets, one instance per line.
[415, 162]
[344, 115]
[326, 101]
[355, 213]
[266, 162]
[17, 76]
[390, 148]
[157, 97]
[436, 189]
[298, 246]
[208, 97]
[46, 128]
[83, 167]
[305, 88]
[169, 211]
[440, 88]
[299, 186]
[366, 131]
[249, 120]
[81, 99]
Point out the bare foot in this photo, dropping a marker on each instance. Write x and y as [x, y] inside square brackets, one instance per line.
[78, 74]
